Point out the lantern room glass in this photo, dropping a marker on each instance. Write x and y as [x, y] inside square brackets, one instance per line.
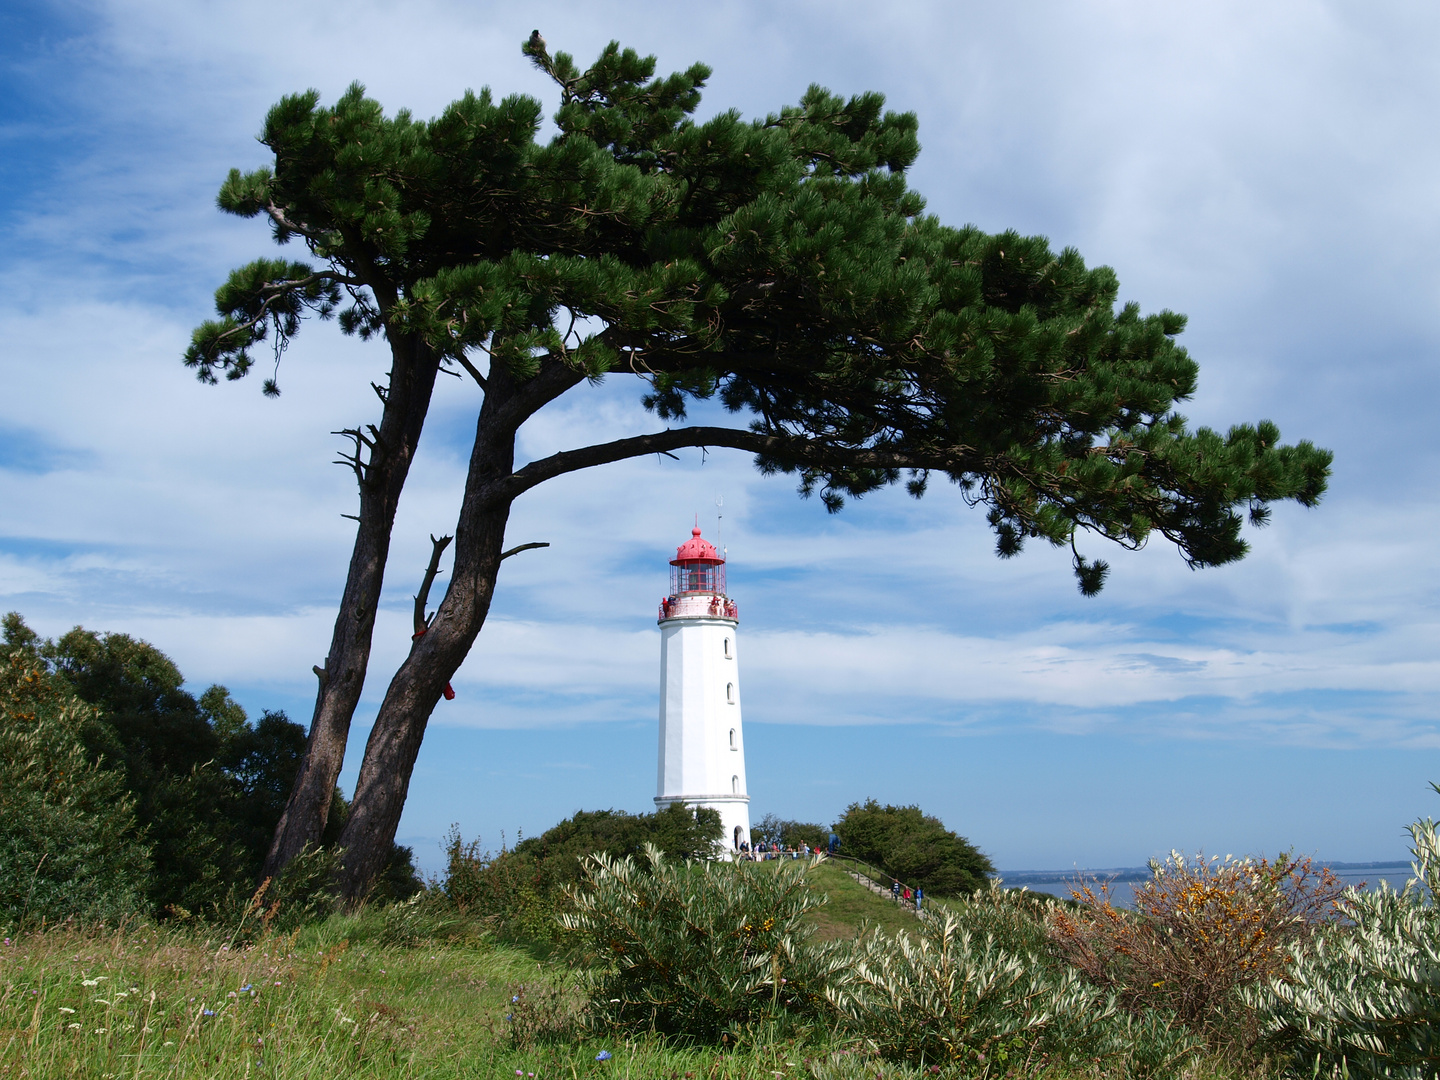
[697, 576]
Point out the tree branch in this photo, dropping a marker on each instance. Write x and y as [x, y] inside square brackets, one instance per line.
[464, 362]
[812, 451]
[523, 547]
[277, 215]
[422, 598]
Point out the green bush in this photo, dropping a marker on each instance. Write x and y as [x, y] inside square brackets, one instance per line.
[205, 785]
[1364, 1000]
[69, 842]
[506, 889]
[952, 994]
[521, 890]
[679, 831]
[914, 847]
[698, 949]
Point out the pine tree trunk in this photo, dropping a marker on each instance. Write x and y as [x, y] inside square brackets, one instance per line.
[434, 658]
[412, 696]
[412, 381]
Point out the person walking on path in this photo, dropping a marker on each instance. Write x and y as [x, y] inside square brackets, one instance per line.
[895, 889]
[834, 844]
[919, 896]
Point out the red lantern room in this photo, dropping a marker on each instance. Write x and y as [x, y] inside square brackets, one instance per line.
[697, 567]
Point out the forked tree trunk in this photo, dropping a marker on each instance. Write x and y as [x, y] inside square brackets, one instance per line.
[434, 657]
[412, 382]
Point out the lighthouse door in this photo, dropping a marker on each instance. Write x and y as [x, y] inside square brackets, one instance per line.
[737, 837]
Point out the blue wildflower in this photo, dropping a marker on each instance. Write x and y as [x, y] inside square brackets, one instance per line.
[514, 999]
[208, 1012]
[603, 1055]
[245, 989]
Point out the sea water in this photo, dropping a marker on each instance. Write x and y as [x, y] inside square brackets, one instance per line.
[1122, 880]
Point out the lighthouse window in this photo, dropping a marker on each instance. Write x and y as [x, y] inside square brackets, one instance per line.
[730, 692]
[732, 740]
[734, 785]
[727, 648]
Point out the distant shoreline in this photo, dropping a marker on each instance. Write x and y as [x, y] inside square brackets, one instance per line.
[1142, 873]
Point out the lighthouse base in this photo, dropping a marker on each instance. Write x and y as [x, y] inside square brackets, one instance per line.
[734, 811]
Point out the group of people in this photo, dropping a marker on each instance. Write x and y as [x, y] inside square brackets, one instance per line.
[765, 849]
[904, 892]
[761, 851]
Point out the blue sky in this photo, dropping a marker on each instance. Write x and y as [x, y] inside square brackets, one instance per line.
[1268, 170]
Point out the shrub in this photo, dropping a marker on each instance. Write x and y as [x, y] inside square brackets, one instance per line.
[914, 847]
[953, 994]
[1201, 929]
[522, 889]
[679, 831]
[506, 889]
[69, 843]
[698, 949]
[1364, 1001]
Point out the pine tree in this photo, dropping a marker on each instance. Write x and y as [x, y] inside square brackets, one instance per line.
[782, 266]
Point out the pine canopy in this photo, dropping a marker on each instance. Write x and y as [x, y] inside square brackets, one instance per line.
[782, 265]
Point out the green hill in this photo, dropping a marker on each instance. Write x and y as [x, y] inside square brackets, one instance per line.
[851, 904]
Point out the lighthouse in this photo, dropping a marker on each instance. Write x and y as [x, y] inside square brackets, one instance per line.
[702, 745]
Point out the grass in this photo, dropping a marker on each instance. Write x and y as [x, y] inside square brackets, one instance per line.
[148, 1002]
[850, 904]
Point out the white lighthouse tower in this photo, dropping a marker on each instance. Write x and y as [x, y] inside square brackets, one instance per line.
[702, 745]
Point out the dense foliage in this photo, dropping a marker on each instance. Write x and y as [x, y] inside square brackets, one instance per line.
[1201, 931]
[69, 841]
[202, 783]
[700, 949]
[914, 847]
[722, 952]
[521, 888]
[958, 993]
[679, 831]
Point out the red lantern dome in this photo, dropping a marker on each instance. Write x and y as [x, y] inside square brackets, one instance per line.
[696, 550]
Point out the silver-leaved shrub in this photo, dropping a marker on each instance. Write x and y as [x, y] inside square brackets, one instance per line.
[975, 988]
[1364, 1000]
